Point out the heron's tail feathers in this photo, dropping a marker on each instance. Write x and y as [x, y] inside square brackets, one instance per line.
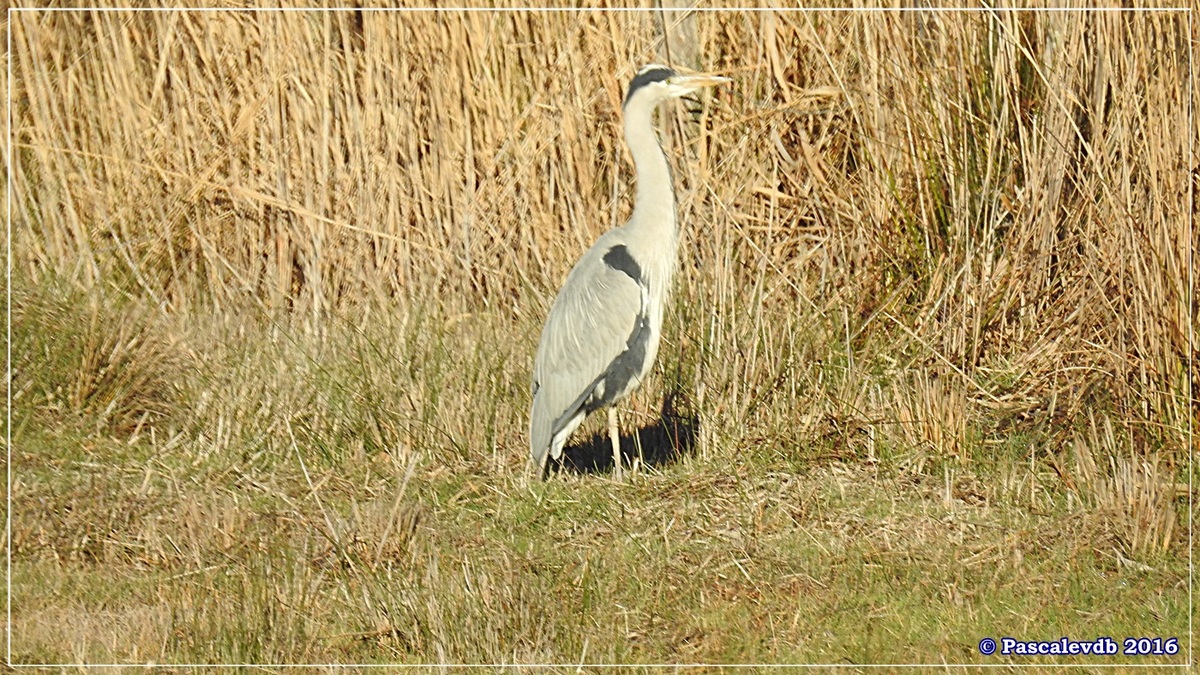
[540, 437]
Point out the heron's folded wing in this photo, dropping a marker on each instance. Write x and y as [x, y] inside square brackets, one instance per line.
[590, 325]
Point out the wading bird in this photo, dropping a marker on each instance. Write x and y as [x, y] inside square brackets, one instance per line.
[602, 333]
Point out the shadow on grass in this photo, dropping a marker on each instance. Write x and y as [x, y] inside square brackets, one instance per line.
[662, 443]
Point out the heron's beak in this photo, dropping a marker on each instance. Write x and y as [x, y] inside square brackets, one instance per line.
[686, 84]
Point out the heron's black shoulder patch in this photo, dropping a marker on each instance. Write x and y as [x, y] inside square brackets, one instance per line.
[619, 259]
[651, 73]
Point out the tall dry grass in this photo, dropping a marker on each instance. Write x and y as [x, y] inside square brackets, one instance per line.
[946, 240]
[998, 200]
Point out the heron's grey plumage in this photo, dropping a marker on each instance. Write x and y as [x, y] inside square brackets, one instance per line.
[602, 333]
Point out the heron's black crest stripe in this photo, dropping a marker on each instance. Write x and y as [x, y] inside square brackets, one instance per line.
[619, 259]
[648, 75]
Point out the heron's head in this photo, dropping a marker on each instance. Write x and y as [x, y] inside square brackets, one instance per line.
[655, 83]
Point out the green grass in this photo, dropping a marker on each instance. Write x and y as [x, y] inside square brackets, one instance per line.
[205, 541]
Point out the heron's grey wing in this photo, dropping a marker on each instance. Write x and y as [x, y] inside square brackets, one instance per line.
[593, 345]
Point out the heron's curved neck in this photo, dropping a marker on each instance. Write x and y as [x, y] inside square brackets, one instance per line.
[654, 205]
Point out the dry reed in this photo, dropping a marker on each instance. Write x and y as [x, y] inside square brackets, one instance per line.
[996, 199]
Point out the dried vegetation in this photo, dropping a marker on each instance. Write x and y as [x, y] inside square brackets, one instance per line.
[277, 280]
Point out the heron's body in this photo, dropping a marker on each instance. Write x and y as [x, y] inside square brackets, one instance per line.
[601, 336]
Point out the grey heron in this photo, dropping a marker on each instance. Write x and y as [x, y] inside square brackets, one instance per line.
[602, 333]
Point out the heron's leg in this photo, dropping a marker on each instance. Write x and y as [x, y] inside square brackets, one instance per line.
[614, 433]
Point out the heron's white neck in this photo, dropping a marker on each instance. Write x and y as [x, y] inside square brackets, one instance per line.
[654, 204]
